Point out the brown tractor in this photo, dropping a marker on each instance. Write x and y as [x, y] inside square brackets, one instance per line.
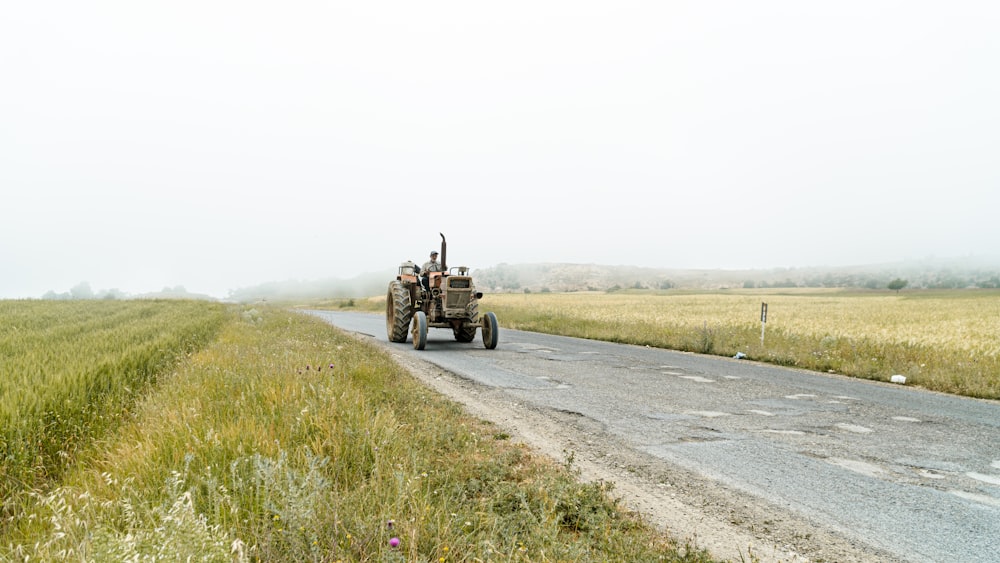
[445, 299]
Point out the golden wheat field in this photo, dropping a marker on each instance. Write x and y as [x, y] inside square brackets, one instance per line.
[952, 320]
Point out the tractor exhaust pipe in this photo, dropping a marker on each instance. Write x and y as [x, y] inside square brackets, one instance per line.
[444, 253]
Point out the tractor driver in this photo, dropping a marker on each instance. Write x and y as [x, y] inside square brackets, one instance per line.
[431, 265]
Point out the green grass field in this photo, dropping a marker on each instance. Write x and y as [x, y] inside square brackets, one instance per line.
[188, 431]
[72, 369]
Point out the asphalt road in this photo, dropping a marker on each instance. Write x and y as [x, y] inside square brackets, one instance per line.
[905, 471]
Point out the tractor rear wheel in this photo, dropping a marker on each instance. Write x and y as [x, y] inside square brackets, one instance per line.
[398, 312]
[419, 330]
[491, 332]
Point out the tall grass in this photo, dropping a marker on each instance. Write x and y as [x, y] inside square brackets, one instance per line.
[945, 341]
[69, 370]
[287, 440]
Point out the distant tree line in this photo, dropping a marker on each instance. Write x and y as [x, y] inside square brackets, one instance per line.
[83, 290]
[927, 281]
[561, 277]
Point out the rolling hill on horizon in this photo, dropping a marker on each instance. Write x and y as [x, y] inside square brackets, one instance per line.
[560, 277]
[931, 273]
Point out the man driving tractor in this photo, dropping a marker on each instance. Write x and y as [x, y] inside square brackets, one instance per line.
[431, 265]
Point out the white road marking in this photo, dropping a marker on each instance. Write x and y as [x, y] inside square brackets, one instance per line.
[991, 479]
[762, 413]
[790, 432]
[854, 428]
[533, 347]
[905, 419]
[800, 396]
[857, 466]
[983, 499]
[709, 414]
[698, 379]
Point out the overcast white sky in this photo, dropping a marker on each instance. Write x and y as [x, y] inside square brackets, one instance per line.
[218, 145]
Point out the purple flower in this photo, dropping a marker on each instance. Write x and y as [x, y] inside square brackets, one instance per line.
[394, 542]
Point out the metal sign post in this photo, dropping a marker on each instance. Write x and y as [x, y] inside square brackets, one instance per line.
[763, 321]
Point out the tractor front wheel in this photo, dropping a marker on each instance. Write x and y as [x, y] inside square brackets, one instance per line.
[419, 330]
[491, 332]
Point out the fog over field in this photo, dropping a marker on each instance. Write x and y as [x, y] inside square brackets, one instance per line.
[221, 145]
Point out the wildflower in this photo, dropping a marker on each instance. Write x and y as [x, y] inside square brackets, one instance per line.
[390, 524]
[394, 542]
[331, 366]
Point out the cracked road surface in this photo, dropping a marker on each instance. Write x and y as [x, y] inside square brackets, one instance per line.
[729, 453]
